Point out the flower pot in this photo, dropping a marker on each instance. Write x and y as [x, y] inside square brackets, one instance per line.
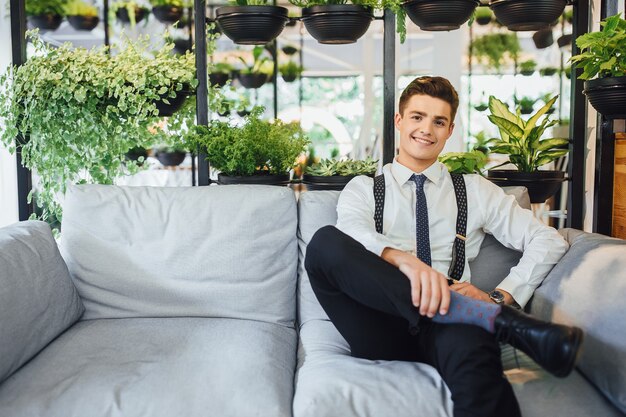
[326, 182]
[437, 15]
[122, 14]
[548, 72]
[243, 113]
[519, 15]
[258, 179]
[608, 96]
[565, 41]
[218, 79]
[527, 72]
[543, 38]
[134, 154]
[253, 80]
[167, 14]
[171, 159]
[541, 185]
[45, 21]
[483, 20]
[289, 50]
[481, 107]
[251, 25]
[291, 22]
[175, 103]
[181, 46]
[289, 78]
[86, 23]
[337, 23]
[526, 110]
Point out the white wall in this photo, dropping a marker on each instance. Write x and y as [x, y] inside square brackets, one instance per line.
[8, 174]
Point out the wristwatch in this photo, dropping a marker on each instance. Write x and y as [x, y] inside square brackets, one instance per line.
[497, 297]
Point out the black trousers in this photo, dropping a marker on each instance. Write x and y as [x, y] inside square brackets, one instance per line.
[368, 300]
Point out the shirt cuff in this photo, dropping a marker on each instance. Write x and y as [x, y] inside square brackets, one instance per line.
[519, 289]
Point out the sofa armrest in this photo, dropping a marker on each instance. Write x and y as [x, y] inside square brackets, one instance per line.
[38, 300]
[587, 288]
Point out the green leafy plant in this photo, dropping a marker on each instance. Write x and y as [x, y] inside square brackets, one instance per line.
[259, 64]
[603, 53]
[76, 112]
[172, 3]
[483, 13]
[131, 7]
[346, 167]
[290, 68]
[521, 139]
[481, 142]
[472, 162]
[41, 7]
[493, 49]
[528, 67]
[80, 8]
[548, 71]
[252, 147]
[249, 2]
[526, 104]
[221, 67]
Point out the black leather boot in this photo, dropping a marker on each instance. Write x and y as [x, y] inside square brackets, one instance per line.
[553, 346]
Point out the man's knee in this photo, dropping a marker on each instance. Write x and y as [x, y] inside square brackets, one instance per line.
[468, 344]
[323, 243]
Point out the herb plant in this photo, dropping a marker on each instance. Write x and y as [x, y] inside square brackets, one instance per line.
[347, 167]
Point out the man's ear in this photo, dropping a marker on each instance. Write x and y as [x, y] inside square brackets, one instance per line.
[451, 129]
[397, 118]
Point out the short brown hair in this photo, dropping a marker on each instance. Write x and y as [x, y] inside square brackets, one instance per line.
[437, 87]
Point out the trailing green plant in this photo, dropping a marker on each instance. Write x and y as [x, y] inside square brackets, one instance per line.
[41, 7]
[76, 112]
[482, 13]
[346, 167]
[290, 68]
[255, 146]
[259, 64]
[493, 49]
[603, 53]
[528, 66]
[80, 8]
[472, 162]
[521, 139]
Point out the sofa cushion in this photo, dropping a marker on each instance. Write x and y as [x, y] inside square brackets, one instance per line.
[587, 288]
[160, 367]
[37, 298]
[318, 208]
[220, 251]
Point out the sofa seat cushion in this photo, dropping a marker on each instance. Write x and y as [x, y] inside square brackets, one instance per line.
[222, 251]
[191, 367]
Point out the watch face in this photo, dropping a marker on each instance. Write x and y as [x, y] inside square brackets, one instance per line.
[497, 296]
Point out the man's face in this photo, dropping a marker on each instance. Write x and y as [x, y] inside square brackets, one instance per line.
[424, 126]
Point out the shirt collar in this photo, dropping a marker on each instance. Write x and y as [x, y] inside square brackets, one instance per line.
[403, 174]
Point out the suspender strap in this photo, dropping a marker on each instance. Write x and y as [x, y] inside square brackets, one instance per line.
[379, 201]
[458, 248]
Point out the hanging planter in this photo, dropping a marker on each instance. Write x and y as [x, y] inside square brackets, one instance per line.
[437, 15]
[541, 185]
[47, 21]
[565, 41]
[251, 25]
[289, 50]
[548, 71]
[170, 158]
[543, 38]
[181, 46]
[175, 103]
[124, 17]
[337, 23]
[219, 79]
[167, 14]
[252, 80]
[83, 23]
[520, 15]
[483, 16]
[608, 96]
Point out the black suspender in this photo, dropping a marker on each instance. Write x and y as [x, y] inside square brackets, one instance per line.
[458, 248]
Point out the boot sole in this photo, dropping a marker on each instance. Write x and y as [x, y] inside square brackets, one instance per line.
[577, 342]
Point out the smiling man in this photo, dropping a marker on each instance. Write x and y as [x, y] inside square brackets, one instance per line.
[382, 274]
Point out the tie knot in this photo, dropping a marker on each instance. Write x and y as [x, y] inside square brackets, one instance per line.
[419, 180]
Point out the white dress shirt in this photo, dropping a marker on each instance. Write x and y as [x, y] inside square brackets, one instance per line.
[490, 210]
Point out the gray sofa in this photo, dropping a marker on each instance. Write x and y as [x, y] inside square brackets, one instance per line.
[194, 302]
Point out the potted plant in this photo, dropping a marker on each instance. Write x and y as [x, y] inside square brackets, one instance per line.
[256, 73]
[168, 11]
[182, 46]
[290, 50]
[435, 15]
[543, 38]
[483, 15]
[129, 12]
[527, 67]
[522, 141]
[481, 106]
[170, 156]
[251, 22]
[290, 71]
[481, 142]
[526, 104]
[220, 73]
[548, 71]
[603, 60]
[565, 40]
[519, 15]
[45, 14]
[472, 162]
[494, 49]
[333, 174]
[82, 15]
[254, 152]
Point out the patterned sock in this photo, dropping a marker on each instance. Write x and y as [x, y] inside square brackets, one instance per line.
[467, 310]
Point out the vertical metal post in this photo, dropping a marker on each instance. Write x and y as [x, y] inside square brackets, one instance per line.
[389, 86]
[274, 52]
[18, 51]
[105, 21]
[202, 112]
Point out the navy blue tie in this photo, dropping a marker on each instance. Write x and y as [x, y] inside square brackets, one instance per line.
[422, 236]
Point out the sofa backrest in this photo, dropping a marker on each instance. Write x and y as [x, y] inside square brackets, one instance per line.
[37, 298]
[219, 251]
[318, 208]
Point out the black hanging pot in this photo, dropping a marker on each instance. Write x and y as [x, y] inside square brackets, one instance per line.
[171, 159]
[564, 41]
[326, 182]
[243, 113]
[135, 153]
[48, 21]
[436, 15]
[122, 14]
[167, 14]
[289, 78]
[608, 96]
[289, 50]
[251, 25]
[519, 15]
[543, 38]
[257, 179]
[219, 79]
[337, 23]
[86, 23]
[541, 185]
[181, 46]
[175, 103]
[252, 80]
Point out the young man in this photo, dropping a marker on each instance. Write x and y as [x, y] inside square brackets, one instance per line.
[388, 294]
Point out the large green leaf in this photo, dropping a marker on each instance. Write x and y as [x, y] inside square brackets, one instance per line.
[533, 120]
[510, 127]
[547, 144]
[500, 109]
[549, 156]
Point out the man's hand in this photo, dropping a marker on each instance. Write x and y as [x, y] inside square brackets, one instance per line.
[429, 288]
[467, 289]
